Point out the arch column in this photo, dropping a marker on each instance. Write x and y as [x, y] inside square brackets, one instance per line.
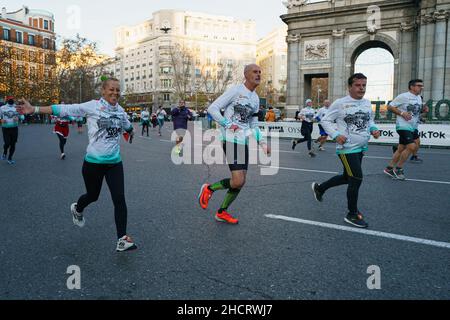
[293, 81]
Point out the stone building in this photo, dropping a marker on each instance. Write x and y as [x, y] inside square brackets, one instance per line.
[326, 37]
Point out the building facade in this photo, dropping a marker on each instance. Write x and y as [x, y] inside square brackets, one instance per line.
[27, 54]
[271, 56]
[145, 53]
[325, 38]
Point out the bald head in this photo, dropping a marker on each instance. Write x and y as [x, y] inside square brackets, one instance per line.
[252, 73]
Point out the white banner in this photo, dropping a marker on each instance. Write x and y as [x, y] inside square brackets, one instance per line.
[430, 134]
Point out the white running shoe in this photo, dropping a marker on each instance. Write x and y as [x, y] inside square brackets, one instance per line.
[77, 218]
[63, 156]
[125, 244]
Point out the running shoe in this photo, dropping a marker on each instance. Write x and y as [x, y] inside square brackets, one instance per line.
[390, 172]
[63, 156]
[356, 220]
[11, 162]
[294, 144]
[3, 156]
[204, 196]
[312, 154]
[416, 160]
[125, 244]
[321, 149]
[399, 174]
[317, 194]
[77, 217]
[226, 217]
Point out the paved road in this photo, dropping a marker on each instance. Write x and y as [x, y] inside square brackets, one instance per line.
[287, 246]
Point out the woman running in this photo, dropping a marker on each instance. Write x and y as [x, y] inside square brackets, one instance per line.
[107, 121]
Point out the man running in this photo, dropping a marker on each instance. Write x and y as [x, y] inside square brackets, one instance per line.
[320, 115]
[145, 120]
[161, 116]
[79, 121]
[355, 123]
[239, 121]
[180, 118]
[306, 115]
[407, 107]
[10, 128]
[107, 122]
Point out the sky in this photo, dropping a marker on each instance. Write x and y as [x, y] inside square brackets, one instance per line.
[98, 19]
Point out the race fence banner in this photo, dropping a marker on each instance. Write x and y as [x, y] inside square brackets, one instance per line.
[430, 134]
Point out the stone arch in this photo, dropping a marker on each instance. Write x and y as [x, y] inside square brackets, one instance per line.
[368, 42]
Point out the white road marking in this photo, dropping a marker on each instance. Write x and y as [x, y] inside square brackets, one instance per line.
[433, 243]
[330, 172]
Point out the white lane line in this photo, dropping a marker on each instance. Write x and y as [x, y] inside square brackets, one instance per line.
[429, 181]
[146, 138]
[330, 172]
[433, 243]
[296, 169]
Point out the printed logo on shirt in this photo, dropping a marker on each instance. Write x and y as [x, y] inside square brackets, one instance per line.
[358, 121]
[242, 113]
[414, 109]
[10, 114]
[109, 127]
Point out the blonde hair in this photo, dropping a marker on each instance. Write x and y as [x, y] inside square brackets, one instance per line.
[106, 81]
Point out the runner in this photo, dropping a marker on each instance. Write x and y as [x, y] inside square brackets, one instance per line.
[79, 121]
[355, 123]
[180, 118]
[408, 107]
[306, 115]
[107, 121]
[240, 120]
[61, 130]
[320, 115]
[145, 120]
[161, 116]
[10, 128]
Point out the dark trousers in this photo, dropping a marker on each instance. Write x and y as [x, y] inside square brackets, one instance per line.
[62, 142]
[10, 136]
[352, 176]
[93, 175]
[307, 129]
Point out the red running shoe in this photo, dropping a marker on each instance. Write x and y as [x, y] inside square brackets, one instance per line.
[204, 196]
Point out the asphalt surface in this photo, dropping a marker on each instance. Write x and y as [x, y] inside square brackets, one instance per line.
[183, 253]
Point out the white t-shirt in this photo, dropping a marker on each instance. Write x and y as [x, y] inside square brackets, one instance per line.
[412, 104]
[241, 108]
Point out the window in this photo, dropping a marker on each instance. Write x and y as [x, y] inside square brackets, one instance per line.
[19, 37]
[31, 40]
[166, 97]
[6, 34]
[46, 24]
[166, 70]
[166, 83]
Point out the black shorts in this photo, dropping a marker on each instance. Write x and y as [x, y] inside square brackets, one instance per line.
[416, 134]
[406, 137]
[238, 159]
[80, 124]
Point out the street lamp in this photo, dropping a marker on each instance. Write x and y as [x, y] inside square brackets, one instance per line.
[319, 90]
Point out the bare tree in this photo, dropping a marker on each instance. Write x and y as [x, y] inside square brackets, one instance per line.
[78, 63]
[182, 63]
[215, 78]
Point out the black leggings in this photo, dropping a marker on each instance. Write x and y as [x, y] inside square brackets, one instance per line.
[307, 130]
[93, 178]
[145, 125]
[352, 176]
[10, 136]
[62, 142]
